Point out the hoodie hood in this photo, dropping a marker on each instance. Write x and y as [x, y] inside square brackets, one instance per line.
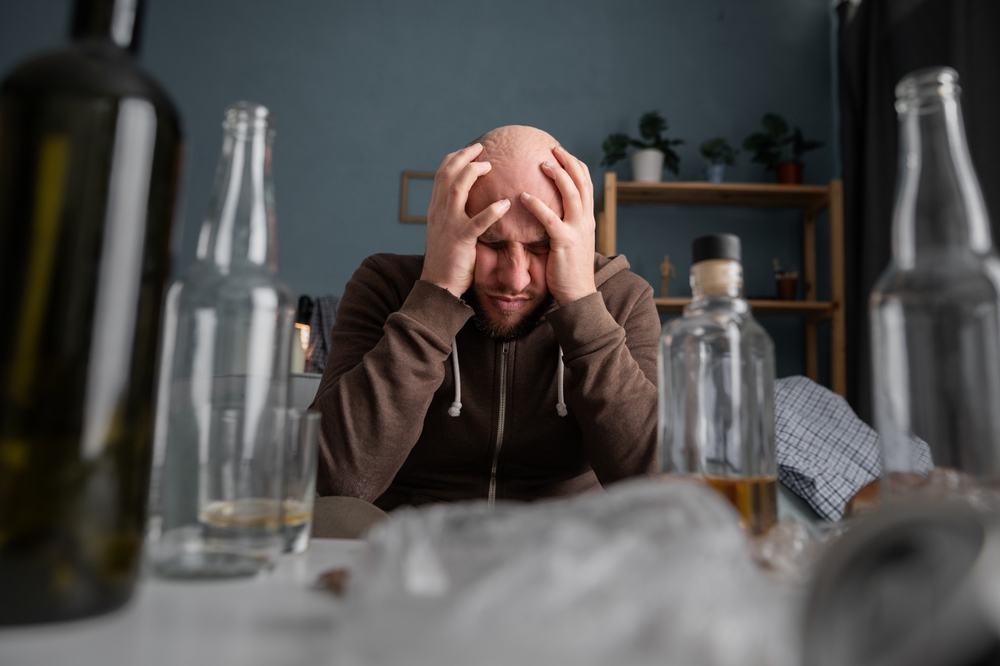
[605, 267]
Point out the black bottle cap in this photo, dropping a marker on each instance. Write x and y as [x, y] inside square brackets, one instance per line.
[716, 246]
[303, 313]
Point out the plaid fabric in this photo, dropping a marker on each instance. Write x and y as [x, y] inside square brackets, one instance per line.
[320, 325]
[826, 453]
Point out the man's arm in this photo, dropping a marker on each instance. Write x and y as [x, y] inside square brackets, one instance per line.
[387, 358]
[612, 367]
[612, 379]
[386, 362]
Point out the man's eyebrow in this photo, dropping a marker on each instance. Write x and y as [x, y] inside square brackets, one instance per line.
[489, 237]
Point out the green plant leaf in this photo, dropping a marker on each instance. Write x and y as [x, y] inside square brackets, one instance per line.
[651, 126]
[718, 151]
[775, 125]
[614, 149]
[800, 145]
[671, 161]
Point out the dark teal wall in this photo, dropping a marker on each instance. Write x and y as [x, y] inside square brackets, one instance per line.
[363, 90]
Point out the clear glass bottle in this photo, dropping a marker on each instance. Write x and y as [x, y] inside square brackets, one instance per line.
[90, 151]
[934, 311]
[215, 506]
[716, 387]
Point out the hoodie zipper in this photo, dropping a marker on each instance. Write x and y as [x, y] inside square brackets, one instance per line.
[492, 497]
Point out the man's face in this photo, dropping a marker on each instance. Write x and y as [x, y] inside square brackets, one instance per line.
[509, 291]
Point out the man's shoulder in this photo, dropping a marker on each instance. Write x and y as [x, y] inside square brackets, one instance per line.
[398, 269]
[615, 279]
[384, 277]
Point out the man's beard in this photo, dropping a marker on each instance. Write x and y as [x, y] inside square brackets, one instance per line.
[503, 331]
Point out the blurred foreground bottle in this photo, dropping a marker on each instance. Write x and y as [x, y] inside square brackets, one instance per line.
[215, 503]
[934, 311]
[89, 157]
[716, 387]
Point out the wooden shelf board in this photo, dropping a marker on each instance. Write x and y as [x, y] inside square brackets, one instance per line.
[805, 197]
[812, 309]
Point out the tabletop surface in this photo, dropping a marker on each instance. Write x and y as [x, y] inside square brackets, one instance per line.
[276, 618]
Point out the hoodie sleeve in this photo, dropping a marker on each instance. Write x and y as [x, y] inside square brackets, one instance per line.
[610, 353]
[387, 360]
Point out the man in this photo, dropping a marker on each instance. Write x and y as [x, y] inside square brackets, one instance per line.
[510, 361]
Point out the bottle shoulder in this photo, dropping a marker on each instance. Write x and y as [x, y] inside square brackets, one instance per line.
[967, 279]
[714, 313]
[87, 69]
[203, 285]
[726, 327]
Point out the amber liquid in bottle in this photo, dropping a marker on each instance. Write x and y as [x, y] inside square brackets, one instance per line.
[756, 498]
[89, 155]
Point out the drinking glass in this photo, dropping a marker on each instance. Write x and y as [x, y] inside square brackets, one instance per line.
[300, 444]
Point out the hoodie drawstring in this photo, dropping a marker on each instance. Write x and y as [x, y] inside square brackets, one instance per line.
[456, 407]
[561, 405]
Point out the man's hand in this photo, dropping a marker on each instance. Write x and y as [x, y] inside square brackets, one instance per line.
[450, 249]
[569, 271]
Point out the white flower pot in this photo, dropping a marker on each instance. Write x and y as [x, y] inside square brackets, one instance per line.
[647, 165]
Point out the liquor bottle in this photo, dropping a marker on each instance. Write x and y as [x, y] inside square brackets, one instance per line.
[215, 501]
[89, 158]
[934, 310]
[716, 388]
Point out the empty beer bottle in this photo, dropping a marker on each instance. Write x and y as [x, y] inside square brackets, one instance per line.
[89, 156]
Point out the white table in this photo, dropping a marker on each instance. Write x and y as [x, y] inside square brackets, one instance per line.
[276, 618]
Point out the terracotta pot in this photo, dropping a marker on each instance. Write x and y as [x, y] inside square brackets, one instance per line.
[788, 286]
[789, 173]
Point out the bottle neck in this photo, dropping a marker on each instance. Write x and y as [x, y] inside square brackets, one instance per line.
[716, 277]
[115, 21]
[939, 206]
[239, 230]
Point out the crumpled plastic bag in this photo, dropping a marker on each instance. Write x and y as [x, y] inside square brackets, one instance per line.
[653, 572]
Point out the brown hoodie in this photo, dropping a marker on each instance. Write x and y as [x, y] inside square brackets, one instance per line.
[387, 435]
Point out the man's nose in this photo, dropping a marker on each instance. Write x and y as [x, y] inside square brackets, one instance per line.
[513, 269]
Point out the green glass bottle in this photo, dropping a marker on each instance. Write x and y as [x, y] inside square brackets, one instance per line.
[89, 161]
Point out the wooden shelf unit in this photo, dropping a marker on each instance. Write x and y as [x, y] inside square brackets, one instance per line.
[811, 200]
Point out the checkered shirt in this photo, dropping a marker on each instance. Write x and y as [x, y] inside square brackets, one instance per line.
[826, 454]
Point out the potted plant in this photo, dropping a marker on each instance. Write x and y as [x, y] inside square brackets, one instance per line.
[780, 150]
[654, 152]
[719, 154]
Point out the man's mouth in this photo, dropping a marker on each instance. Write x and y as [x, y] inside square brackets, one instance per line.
[508, 304]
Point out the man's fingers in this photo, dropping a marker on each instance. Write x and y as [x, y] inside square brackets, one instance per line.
[450, 167]
[542, 213]
[447, 158]
[571, 198]
[580, 174]
[458, 191]
[458, 160]
[489, 215]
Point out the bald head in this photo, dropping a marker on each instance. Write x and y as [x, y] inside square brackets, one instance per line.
[516, 153]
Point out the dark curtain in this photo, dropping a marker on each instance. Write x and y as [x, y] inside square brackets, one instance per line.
[879, 42]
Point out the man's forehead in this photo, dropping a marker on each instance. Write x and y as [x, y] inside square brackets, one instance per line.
[508, 180]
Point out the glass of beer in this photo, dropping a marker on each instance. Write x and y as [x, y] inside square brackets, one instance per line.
[300, 445]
